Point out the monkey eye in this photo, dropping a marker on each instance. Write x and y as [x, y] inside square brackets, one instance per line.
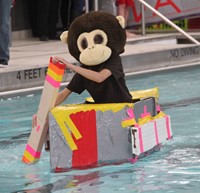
[98, 39]
[84, 43]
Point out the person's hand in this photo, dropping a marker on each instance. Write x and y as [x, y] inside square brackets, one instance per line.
[61, 60]
[56, 59]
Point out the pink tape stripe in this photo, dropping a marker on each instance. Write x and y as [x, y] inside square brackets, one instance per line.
[38, 128]
[32, 151]
[145, 112]
[158, 108]
[141, 140]
[168, 127]
[52, 81]
[130, 114]
[156, 132]
[133, 160]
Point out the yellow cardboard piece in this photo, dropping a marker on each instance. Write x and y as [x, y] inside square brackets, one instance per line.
[139, 94]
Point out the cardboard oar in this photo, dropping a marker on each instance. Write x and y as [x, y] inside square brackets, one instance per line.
[48, 98]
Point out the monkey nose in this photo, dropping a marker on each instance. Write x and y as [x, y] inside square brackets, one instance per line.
[91, 47]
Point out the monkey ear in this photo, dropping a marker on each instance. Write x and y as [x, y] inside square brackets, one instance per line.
[121, 21]
[64, 36]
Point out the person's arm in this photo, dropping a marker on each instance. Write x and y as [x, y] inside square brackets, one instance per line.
[62, 95]
[89, 74]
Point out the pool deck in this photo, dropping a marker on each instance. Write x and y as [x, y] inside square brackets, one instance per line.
[30, 57]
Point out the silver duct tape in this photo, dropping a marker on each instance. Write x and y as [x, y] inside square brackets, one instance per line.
[60, 153]
[112, 140]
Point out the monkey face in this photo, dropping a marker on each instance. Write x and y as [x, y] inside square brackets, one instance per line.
[93, 47]
[94, 36]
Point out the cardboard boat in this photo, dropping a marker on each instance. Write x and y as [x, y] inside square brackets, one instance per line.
[91, 135]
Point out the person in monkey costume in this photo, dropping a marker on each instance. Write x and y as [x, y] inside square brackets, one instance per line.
[96, 40]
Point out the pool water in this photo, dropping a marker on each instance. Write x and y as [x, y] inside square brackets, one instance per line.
[175, 168]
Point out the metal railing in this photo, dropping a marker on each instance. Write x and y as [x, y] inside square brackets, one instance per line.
[145, 4]
[166, 20]
[96, 7]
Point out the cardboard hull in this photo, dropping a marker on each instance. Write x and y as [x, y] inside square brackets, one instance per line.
[97, 136]
[103, 140]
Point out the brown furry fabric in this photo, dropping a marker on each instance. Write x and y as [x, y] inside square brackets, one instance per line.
[97, 20]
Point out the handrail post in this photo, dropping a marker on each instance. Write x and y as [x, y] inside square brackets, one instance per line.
[169, 22]
[86, 6]
[96, 5]
[143, 20]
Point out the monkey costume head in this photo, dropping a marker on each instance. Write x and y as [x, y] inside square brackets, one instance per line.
[93, 37]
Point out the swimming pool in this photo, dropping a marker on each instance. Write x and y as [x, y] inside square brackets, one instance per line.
[176, 168]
